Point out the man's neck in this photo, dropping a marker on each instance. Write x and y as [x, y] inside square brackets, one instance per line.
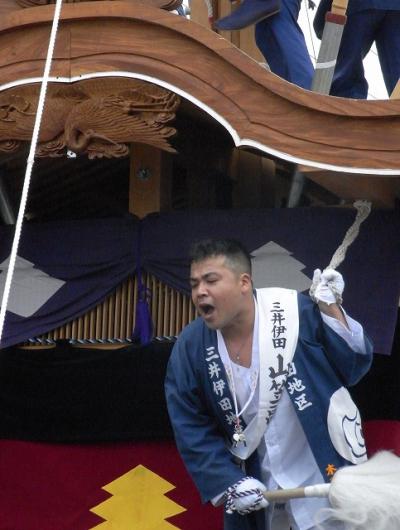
[242, 327]
[238, 339]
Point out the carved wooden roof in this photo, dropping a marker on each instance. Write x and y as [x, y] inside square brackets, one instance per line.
[259, 109]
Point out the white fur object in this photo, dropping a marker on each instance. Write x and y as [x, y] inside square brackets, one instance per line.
[366, 496]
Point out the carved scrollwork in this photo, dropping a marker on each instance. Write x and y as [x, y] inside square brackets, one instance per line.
[54, 148]
[97, 117]
[9, 146]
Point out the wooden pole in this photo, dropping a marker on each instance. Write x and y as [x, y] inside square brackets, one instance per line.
[150, 180]
[315, 490]
[339, 7]
[322, 81]
[335, 21]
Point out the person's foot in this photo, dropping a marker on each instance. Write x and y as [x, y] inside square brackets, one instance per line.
[249, 12]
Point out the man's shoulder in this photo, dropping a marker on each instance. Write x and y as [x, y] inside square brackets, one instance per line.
[194, 334]
[305, 301]
[196, 326]
[308, 310]
[269, 290]
[191, 342]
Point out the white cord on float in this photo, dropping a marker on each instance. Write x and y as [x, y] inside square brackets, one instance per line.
[363, 210]
[30, 162]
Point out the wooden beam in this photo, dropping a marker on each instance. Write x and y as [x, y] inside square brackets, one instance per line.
[115, 37]
[254, 178]
[381, 191]
[150, 180]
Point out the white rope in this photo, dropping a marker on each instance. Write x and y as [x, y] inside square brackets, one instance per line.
[363, 210]
[30, 162]
[311, 34]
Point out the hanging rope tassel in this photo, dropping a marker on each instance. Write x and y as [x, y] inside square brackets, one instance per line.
[363, 210]
[30, 162]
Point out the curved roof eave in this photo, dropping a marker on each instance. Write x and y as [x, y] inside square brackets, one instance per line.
[257, 108]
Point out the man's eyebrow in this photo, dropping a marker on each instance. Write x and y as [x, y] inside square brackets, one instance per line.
[203, 277]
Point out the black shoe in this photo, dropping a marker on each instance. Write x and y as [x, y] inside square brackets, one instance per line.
[248, 13]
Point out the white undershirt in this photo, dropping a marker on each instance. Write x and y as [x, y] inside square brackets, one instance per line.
[285, 455]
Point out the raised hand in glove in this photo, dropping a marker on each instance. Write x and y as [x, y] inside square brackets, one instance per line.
[245, 496]
[327, 286]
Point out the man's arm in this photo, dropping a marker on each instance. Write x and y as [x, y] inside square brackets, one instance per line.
[353, 360]
[334, 311]
[327, 291]
[197, 434]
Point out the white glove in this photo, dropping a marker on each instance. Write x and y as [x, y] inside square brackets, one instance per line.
[327, 286]
[245, 496]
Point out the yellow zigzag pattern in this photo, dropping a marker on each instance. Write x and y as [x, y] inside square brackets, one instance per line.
[138, 502]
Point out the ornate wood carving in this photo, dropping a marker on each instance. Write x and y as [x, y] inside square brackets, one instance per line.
[258, 108]
[99, 117]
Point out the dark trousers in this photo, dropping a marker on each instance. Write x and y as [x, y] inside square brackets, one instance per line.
[361, 30]
[282, 43]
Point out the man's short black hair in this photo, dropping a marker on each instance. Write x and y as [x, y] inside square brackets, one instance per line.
[236, 254]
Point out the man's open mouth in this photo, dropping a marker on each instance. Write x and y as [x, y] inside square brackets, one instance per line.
[206, 309]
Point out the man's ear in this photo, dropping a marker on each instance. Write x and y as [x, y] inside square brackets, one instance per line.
[246, 281]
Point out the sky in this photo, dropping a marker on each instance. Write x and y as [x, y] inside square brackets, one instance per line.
[377, 89]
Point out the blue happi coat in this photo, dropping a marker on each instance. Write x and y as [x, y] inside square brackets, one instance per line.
[202, 418]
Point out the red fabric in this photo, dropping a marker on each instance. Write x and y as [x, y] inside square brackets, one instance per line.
[382, 435]
[52, 487]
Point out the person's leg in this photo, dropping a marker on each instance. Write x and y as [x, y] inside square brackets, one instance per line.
[388, 47]
[358, 35]
[282, 43]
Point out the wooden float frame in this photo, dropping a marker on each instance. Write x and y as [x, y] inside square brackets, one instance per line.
[257, 108]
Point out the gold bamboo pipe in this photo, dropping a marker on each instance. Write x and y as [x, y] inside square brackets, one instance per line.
[114, 318]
